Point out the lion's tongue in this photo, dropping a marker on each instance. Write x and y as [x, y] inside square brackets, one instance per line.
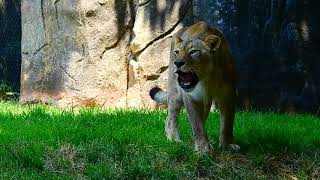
[186, 77]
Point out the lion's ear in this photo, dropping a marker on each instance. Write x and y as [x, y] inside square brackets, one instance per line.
[213, 42]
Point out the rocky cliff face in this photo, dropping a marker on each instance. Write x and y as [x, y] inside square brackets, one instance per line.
[109, 53]
[105, 52]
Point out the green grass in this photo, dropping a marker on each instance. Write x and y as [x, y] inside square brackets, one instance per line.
[43, 142]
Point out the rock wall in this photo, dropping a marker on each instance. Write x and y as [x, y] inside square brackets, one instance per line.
[155, 23]
[110, 53]
[96, 53]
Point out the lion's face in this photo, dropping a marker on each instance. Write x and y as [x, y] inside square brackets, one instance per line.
[193, 59]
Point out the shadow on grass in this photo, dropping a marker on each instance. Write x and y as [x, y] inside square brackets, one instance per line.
[278, 144]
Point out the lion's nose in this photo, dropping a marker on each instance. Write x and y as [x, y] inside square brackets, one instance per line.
[179, 63]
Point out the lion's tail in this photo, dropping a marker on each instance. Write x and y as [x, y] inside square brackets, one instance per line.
[158, 95]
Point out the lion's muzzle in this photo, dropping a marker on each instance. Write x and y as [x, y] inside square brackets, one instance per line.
[187, 80]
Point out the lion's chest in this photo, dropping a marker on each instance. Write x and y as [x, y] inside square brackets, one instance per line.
[199, 93]
[203, 93]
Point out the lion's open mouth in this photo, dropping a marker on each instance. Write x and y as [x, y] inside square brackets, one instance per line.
[187, 80]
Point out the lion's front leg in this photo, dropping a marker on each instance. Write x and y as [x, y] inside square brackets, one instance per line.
[227, 112]
[171, 127]
[197, 114]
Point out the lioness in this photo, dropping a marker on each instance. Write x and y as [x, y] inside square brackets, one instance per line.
[201, 70]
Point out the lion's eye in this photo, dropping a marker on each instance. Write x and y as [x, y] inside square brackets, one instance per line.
[176, 52]
[194, 53]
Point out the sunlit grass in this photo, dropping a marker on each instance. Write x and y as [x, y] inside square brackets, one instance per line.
[46, 142]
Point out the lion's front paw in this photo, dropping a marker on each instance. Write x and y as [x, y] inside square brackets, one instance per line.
[234, 147]
[172, 134]
[202, 146]
[231, 147]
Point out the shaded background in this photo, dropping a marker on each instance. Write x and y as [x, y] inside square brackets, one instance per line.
[10, 43]
[275, 44]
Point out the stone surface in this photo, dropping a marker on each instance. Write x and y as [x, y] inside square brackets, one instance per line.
[149, 70]
[75, 50]
[49, 36]
[155, 19]
[83, 53]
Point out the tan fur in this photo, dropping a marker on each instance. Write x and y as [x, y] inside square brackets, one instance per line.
[217, 76]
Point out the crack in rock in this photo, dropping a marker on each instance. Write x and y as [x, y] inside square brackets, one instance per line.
[162, 69]
[65, 71]
[167, 32]
[40, 48]
[127, 28]
[152, 77]
[56, 12]
[144, 3]
[115, 44]
[42, 15]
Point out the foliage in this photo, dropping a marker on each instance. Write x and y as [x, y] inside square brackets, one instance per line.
[6, 91]
[3, 4]
[43, 142]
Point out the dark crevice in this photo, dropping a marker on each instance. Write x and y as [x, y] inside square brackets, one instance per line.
[66, 72]
[162, 69]
[83, 49]
[115, 44]
[165, 33]
[42, 15]
[102, 3]
[133, 5]
[130, 57]
[152, 77]
[122, 28]
[90, 13]
[56, 12]
[40, 48]
[145, 3]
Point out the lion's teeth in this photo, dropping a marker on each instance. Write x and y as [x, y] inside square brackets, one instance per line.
[187, 83]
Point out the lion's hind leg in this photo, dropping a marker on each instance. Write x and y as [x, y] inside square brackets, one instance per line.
[227, 114]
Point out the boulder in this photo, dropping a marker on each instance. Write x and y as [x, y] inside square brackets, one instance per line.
[73, 51]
